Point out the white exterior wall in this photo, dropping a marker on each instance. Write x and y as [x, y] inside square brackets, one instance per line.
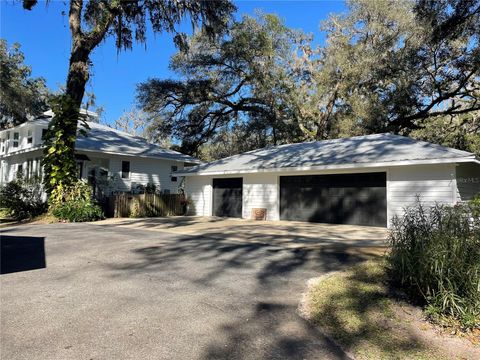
[433, 183]
[10, 165]
[142, 172]
[199, 190]
[22, 130]
[261, 191]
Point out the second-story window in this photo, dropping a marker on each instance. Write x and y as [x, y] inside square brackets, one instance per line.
[2, 146]
[29, 137]
[16, 138]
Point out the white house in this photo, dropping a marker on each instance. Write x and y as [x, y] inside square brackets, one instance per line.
[111, 159]
[362, 180]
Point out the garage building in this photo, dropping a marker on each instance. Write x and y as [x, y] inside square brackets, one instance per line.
[362, 180]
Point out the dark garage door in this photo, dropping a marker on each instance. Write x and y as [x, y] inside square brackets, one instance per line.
[357, 199]
[227, 197]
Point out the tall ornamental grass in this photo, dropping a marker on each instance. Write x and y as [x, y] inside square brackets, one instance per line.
[435, 258]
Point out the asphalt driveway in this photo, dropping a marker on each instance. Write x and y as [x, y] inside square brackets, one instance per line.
[293, 234]
[105, 291]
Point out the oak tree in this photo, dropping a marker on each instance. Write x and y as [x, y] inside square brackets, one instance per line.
[234, 86]
[91, 22]
[21, 95]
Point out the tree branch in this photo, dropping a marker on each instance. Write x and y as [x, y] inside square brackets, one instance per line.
[97, 34]
[75, 19]
[425, 112]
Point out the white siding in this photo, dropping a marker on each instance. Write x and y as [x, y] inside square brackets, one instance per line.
[37, 135]
[260, 191]
[10, 165]
[199, 190]
[468, 181]
[144, 171]
[432, 183]
[22, 130]
[116, 173]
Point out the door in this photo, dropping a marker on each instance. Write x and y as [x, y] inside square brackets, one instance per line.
[227, 197]
[356, 199]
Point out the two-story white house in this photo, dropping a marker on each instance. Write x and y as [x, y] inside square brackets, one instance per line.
[112, 160]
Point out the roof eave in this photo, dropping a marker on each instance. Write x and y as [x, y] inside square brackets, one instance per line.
[41, 147]
[190, 160]
[334, 167]
[21, 152]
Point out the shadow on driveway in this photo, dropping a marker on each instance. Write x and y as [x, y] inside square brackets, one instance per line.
[259, 285]
[21, 253]
[160, 295]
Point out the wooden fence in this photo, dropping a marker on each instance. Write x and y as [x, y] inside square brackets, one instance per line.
[145, 205]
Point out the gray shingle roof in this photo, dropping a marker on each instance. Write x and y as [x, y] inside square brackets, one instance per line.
[370, 149]
[105, 139]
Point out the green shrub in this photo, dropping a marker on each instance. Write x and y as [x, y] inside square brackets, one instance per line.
[475, 206]
[135, 209]
[435, 258]
[150, 188]
[22, 198]
[75, 203]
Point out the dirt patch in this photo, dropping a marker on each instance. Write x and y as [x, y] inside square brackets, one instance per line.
[37, 220]
[455, 345]
[355, 308]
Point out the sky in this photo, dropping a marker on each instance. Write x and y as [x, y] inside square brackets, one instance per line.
[44, 37]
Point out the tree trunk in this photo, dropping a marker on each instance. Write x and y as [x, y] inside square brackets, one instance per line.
[78, 74]
[59, 161]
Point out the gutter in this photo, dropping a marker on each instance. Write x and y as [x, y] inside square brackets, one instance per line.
[332, 167]
[21, 152]
[41, 147]
[193, 160]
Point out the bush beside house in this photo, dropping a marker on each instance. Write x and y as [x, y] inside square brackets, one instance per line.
[435, 259]
[22, 198]
[372, 309]
[75, 204]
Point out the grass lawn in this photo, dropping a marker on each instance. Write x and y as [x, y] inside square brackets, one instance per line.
[355, 308]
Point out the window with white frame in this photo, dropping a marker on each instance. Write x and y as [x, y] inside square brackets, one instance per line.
[29, 136]
[30, 168]
[2, 145]
[38, 168]
[7, 141]
[16, 139]
[6, 171]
